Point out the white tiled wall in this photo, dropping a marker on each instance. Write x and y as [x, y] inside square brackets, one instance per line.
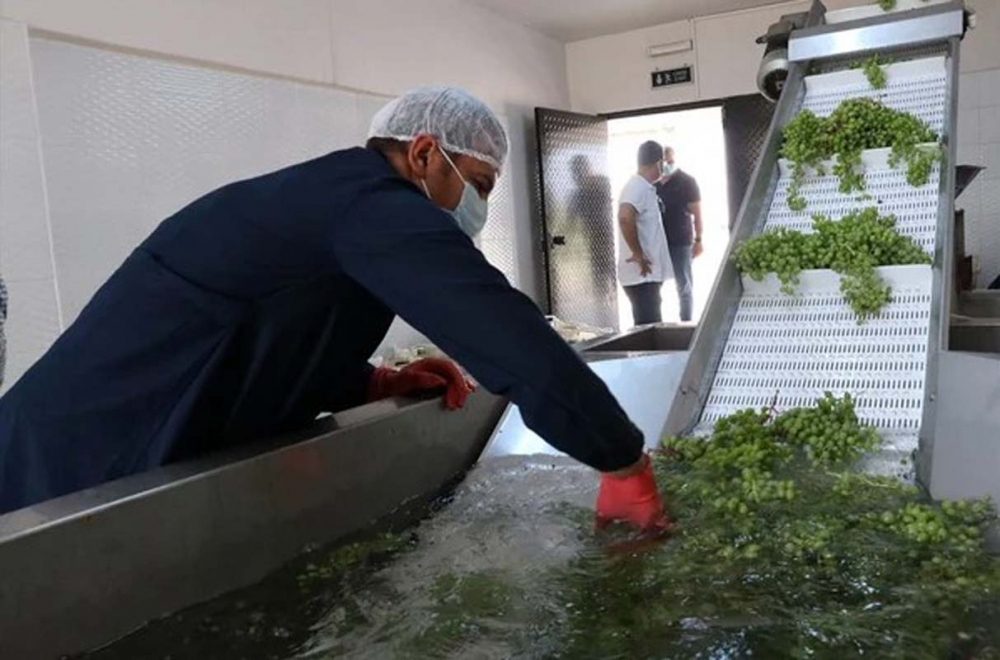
[979, 144]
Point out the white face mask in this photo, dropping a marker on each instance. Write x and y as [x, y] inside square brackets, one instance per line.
[669, 168]
[470, 214]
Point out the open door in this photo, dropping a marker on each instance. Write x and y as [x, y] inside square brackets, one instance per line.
[745, 121]
[578, 225]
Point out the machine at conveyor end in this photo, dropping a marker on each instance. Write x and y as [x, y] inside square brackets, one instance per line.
[774, 67]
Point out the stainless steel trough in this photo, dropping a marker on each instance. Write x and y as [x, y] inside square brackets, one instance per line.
[80, 571]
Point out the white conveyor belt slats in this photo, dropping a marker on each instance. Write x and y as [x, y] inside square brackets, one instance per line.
[789, 350]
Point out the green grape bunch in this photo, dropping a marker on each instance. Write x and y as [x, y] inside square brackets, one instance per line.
[744, 441]
[874, 72]
[864, 238]
[920, 522]
[747, 447]
[889, 5]
[859, 564]
[866, 293]
[853, 246]
[830, 431]
[854, 126]
[785, 252]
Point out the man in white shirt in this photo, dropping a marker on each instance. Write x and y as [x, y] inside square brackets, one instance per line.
[643, 256]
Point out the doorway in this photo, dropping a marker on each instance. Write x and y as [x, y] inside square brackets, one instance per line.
[699, 143]
[582, 163]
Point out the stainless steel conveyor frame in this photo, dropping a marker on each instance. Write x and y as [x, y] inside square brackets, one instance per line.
[958, 443]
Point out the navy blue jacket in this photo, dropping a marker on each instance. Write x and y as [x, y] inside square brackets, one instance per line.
[257, 307]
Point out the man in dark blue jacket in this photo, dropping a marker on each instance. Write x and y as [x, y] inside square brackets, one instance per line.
[257, 307]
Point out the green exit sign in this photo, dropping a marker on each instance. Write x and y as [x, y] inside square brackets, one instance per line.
[670, 77]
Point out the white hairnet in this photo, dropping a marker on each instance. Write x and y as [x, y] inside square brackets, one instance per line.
[461, 122]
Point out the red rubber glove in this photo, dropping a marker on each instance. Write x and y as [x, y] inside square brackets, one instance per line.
[632, 498]
[424, 375]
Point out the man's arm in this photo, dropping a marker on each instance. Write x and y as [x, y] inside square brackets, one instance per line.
[413, 257]
[695, 209]
[627, 215]
[352, 390]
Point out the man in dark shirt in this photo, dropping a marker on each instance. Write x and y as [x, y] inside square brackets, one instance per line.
[682, 221]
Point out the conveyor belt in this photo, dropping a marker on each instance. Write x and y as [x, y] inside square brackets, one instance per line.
[759, 347]
[788, 350]
[917, 87]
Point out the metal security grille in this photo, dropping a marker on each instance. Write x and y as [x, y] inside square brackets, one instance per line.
[578, 229]
[745, 120]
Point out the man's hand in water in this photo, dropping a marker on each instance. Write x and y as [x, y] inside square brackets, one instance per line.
[630, 495]
[425, 375]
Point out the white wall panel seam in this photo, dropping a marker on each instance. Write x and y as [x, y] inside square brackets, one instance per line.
[45, 190]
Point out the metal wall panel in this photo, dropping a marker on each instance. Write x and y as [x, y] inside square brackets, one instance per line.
[128, 140]
[578, 219]
[539, 239]
[499, 238]
[745, 120]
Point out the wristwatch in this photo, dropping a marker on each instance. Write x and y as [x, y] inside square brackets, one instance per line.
[697, 239]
